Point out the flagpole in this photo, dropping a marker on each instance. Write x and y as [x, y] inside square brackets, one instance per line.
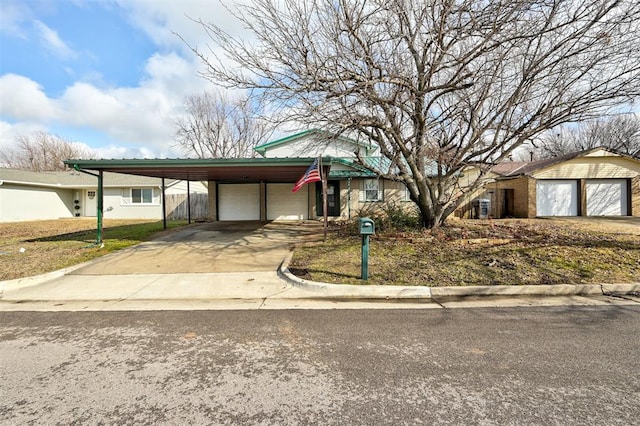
[323, 177]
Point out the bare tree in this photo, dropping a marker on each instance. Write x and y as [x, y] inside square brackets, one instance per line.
[437, 85]
[620, 133]
[42, 151]
[218, 127]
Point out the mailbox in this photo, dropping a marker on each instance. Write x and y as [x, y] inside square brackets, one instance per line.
[367, 226]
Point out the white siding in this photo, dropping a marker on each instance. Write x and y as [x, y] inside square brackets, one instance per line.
[117, 205]
[239, 201]
[18, 203]
[282, 204]
[557, 198]
[313, 147]
[606, 197]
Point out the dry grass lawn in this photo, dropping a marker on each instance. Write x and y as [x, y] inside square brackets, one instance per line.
[464, 252]
[496, 252]
[36, 247]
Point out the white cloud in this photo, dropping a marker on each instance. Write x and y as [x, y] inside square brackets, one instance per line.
[24, 99]
[52, 41]
[12, 18]
[141, 116]
[9, 132]
[174, 75]
[133, 121]
[160, 20]
[112, 151]
[135, 115]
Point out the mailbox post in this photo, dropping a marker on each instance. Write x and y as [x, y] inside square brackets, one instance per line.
[367, 227]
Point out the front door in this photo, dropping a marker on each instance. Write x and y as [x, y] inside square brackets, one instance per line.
[333, 198]
[507, 203]
[91, 203]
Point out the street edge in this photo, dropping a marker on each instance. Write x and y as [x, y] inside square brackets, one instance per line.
[424, 292]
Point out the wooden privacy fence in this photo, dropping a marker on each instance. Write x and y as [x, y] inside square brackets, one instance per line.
[177, 206]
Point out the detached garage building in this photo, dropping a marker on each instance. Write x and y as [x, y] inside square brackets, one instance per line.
[595, 182]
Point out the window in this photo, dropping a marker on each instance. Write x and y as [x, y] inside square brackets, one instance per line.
[407, 195]
[371, 190]
[141, 195]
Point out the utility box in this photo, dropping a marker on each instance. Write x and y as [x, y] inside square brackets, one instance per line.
[481, 208]
[367, 226]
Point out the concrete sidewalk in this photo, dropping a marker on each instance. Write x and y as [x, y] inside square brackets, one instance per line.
[70, 289]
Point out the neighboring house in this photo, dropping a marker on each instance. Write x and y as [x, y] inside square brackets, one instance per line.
[26, 195]
[595, 182]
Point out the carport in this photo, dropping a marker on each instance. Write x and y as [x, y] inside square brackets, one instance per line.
[260, 171]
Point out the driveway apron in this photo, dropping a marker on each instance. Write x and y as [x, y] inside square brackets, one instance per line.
[208, 248]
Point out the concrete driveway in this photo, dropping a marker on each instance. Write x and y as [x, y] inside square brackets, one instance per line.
[609, 224]
[209, 247]
[207, 262]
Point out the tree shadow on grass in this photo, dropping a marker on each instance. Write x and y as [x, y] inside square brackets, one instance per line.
[120, 232]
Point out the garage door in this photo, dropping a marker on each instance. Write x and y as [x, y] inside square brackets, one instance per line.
[557, 198]
[239, 201]
[282, 204]
[607, 197]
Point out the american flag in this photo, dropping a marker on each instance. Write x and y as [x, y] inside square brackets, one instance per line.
[311, 175]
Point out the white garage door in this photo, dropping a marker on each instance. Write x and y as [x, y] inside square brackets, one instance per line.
[282, 204]
[607, 197]
[239, 201]
[557, 198]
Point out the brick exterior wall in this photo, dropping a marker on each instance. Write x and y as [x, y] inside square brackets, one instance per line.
[524, 198]
[635, 196]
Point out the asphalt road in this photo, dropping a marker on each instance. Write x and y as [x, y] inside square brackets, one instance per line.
[565, 365]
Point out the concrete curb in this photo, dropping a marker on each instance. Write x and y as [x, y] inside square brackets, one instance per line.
[423, 292]
[349, 291]
[36, 279]
[43, 278]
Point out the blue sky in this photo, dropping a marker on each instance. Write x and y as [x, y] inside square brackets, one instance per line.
[107, 73]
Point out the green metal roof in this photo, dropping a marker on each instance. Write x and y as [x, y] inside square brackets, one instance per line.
[222, 169]
[357, 170]
[216, 169]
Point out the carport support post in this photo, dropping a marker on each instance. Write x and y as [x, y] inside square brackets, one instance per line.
[189, 201]
[100, 208]
[164, 206]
